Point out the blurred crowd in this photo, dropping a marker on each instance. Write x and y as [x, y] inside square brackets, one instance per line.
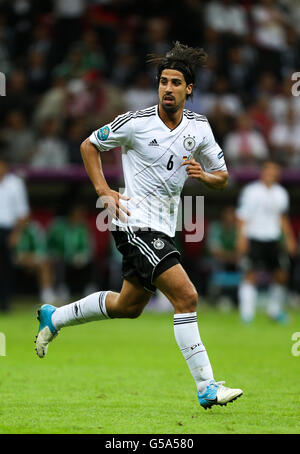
[73, 65]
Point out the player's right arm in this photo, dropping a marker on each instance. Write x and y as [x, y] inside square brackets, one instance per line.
[117, 133]
[93, 166]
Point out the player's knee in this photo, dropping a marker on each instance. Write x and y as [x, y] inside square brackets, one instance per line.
[134, 311]
[188, 303]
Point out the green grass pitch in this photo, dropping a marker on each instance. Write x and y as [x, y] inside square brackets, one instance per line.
[128, 377]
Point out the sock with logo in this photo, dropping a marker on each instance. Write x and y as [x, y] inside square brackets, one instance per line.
[87, 309]
[188, 339]
[247, 295]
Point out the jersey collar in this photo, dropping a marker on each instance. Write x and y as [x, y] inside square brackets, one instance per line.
[164, 124]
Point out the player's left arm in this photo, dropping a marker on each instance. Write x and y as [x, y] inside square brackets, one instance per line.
[214, 180]
[287, 230]
[210, 167]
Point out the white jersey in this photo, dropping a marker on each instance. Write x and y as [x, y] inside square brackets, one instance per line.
[261, 208]
[13, 200]
[152, 157]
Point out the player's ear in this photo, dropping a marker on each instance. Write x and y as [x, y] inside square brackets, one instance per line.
[189, 89]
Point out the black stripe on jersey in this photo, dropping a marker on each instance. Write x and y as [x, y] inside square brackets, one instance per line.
[189, 117]
[193, 116]
[130, 118]
[149, 109]
[130, 115]
[120, 119]
[190, 112]
[131, 112]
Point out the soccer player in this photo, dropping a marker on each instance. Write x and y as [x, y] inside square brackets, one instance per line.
[160, 145]
[262, 222]
[14, 212]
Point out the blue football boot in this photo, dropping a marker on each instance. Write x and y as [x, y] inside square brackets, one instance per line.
[47, 331]
[217, 394]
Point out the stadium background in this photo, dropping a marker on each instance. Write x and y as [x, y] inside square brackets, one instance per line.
[72, 66]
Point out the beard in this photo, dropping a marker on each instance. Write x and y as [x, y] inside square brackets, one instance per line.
[170, 108]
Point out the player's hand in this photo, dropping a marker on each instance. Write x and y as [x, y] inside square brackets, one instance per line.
[194, 169]
[111, 200]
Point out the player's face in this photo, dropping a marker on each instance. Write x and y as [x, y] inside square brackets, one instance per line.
[271, 173]
[172, 90]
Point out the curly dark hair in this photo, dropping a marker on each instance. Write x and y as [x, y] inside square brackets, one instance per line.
[182, 58]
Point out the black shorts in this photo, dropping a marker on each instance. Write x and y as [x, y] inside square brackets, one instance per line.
[265, 255]
[146, 254]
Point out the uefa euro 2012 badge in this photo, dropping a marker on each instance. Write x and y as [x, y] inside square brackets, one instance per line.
[103, 133]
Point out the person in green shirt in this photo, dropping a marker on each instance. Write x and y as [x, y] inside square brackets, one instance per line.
[71, 251]
[221, 244]
[31, 255]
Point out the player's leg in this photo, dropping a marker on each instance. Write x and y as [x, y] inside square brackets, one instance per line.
[177, 287]
[277, 263]
[130, 302]
[278, 295]
[247, 292]
[175, 284]
[104, 305]
[247, 296]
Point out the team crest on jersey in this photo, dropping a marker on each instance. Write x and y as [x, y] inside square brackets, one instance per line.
[157, 243]
[103, 133]
[189, 143]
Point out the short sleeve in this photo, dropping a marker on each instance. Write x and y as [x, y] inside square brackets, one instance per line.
[210, 155]
[244, 208]
[115, 134]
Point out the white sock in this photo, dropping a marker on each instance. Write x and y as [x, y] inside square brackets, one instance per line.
[277, 297]
[87, 309]
[247, 301]
[188, 339]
